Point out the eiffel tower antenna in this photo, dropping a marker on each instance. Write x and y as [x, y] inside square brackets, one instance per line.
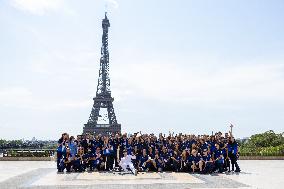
[103, 99]
[106, 7]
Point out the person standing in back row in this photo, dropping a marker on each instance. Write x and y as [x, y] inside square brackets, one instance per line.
[233, 153]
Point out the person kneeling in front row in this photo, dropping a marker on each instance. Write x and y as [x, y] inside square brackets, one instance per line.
[126, 162]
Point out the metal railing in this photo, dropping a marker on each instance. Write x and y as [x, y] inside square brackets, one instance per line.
[27, 152]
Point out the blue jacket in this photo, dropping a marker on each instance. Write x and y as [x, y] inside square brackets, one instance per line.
[233, 148]
[73, 148]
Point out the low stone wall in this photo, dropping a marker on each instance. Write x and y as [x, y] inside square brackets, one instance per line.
[26, 158]
[261, 158]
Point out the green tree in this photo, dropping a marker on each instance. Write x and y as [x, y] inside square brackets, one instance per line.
[3, 143]
[266, 139]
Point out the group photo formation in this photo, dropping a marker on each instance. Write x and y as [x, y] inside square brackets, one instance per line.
[160, 94]
[103, 147]
[137, 152]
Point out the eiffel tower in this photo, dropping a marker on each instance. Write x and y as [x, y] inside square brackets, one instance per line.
[102, 119]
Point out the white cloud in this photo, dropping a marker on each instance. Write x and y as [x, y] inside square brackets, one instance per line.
[21, 97]
[112, 3]
[170, 83]
[15, 95]
[38, 7]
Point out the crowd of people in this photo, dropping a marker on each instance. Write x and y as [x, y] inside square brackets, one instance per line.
[139, 152]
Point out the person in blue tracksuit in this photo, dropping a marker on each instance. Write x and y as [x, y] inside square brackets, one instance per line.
[97, 160]
[85, 159]
[86, 143]
[143, 163]
[73, 146]
[176, 160]
[203, 145]
[219, 158]
[184, 163]
[166, 159]
[207, 162]
[91, 160]
[77, 163]
[108, 155]
[124, 142]
[227, 159]
[159, 163]
[61, 152]
[67, 161]
[233, 154]
[195, 160]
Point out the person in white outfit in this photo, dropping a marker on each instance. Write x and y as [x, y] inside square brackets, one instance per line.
[126, 162]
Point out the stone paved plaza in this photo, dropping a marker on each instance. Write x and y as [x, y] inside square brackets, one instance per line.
[255, 174]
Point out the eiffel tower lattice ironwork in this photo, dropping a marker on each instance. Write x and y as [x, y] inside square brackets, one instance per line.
[99, 123]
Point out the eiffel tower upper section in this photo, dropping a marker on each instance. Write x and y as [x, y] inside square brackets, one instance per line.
[103, 99]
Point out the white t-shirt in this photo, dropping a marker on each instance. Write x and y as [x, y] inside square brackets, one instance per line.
[127, 159]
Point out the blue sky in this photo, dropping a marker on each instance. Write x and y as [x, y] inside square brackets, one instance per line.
[180, 65]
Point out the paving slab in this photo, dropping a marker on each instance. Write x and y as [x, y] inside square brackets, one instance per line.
[34, 175]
